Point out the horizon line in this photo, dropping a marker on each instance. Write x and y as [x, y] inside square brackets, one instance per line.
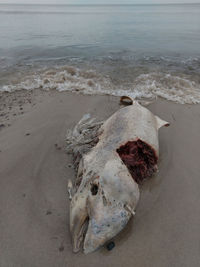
[136, 4]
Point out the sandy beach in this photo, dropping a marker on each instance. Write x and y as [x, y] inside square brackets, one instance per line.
[34, 170]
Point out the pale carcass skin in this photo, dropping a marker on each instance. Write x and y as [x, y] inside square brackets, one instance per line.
[108, 195]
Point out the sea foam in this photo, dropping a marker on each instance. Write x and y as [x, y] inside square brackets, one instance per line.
[90, 82]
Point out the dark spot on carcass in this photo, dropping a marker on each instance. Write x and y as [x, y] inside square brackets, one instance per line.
[110, 246]
[104, 201]
[94, 189]
[140, 159]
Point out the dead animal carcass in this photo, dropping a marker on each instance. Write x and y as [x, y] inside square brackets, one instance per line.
[111, 158]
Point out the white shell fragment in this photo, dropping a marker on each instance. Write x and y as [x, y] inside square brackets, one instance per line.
[110, 159]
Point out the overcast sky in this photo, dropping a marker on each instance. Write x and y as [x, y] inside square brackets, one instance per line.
[99, 1]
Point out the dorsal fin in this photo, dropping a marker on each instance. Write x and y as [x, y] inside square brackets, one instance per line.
[161, 123]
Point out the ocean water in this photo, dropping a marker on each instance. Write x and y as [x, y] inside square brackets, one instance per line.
[144, 51]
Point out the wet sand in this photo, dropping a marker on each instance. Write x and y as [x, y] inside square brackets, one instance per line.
[34, 170]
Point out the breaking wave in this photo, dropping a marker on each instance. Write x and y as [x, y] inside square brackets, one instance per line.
[151, 85]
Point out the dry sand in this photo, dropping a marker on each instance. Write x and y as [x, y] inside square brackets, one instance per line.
[34, 169]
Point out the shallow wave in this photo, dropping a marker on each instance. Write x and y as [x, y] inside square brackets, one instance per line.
[173, 88]
[151, 85]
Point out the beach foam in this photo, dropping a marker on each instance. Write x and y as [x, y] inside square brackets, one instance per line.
[67, 78]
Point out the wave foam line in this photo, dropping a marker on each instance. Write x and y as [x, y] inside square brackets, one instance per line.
[152, 85]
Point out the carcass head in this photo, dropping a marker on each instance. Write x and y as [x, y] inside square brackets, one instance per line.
[102, 205]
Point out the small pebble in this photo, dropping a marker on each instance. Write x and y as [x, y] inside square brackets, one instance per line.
[48, 212]
[27, 134]
[61, 248]
[2, 125]
[110, 246]
[54, 237]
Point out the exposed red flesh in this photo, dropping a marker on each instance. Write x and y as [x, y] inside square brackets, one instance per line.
[140, 158]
